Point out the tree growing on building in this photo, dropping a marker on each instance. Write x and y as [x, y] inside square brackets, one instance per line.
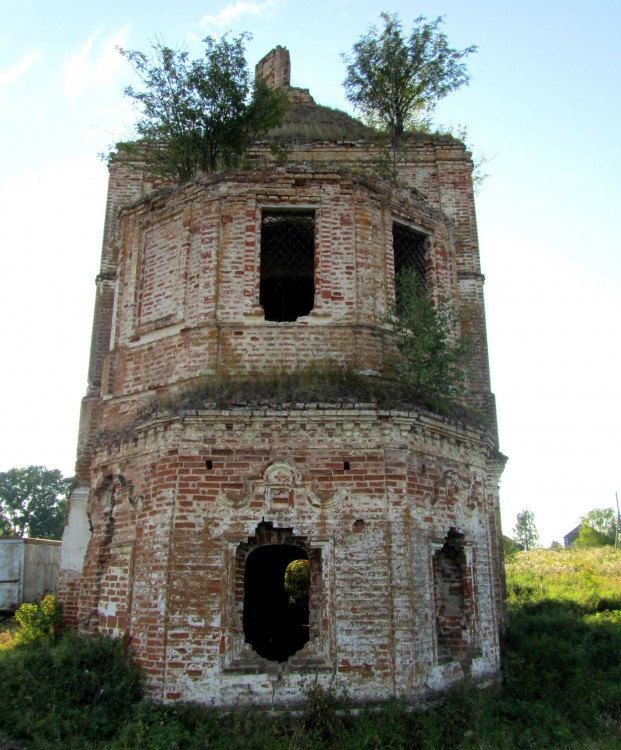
[199, 115]
[33, 502]
[525, 531]
[432, 360]
[395, 81]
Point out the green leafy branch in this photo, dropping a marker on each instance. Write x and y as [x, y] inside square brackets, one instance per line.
[432, 359]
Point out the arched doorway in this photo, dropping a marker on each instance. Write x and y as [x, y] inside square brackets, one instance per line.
[276, 623]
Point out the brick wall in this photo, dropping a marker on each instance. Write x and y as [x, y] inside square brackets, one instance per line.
[189, 268]
[275, 68]
[373, 495]
[397, 512]
[217, 265]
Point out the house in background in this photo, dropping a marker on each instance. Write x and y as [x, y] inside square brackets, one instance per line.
[570, 538]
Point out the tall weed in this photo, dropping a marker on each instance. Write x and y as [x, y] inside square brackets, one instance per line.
[561, 686]
[75, 687]
[590, 578]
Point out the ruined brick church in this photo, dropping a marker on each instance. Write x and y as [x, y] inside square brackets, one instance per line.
[188, 513]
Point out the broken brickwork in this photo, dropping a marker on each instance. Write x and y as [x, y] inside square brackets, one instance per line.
[184, 519]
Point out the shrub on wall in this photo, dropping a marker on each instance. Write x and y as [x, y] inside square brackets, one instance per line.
[432, 360]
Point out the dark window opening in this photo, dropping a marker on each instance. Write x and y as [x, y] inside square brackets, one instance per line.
[287, 288]
[409, 250]
[209, 465]
[276, 615]
[346, 466]
[449, 566]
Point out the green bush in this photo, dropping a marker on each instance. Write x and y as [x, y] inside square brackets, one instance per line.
[561, 685]
[432, 360]
[297, 580]
[39, 621]
[51, 691]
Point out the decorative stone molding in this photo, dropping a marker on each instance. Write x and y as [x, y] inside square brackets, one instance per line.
[280, 488]
[455, 491]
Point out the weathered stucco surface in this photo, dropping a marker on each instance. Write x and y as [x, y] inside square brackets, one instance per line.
[395, 509]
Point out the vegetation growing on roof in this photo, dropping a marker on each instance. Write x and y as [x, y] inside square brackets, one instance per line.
[396, 81]
[311, 385]
[313, 122]
[199, 115]
[432, 359]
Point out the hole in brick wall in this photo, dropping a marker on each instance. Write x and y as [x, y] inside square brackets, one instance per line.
[276, 620]
[449, 569]
[287, 285]
[346, 466]
[209, 465]
[409, 252]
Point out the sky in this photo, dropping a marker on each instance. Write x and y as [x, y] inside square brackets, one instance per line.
[543, 106]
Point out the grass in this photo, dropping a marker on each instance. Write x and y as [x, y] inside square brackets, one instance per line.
[590, 579]
[305, 388]
[309, 386]
[561, 685]
[314, 122]
[55, 690]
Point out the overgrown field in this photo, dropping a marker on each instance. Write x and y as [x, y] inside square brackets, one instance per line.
[561, 686]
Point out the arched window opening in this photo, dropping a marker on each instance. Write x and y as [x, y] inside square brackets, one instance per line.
[276, 611]
[287, 287]
[449, 565]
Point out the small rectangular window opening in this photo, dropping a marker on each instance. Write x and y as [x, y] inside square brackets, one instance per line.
[409, 250]
[287, 285]
[209, 465]
[346, 466]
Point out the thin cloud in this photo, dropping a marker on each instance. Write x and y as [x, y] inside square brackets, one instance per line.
[236, 10]
[96, 63]
[114, 124]
[17, 70]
